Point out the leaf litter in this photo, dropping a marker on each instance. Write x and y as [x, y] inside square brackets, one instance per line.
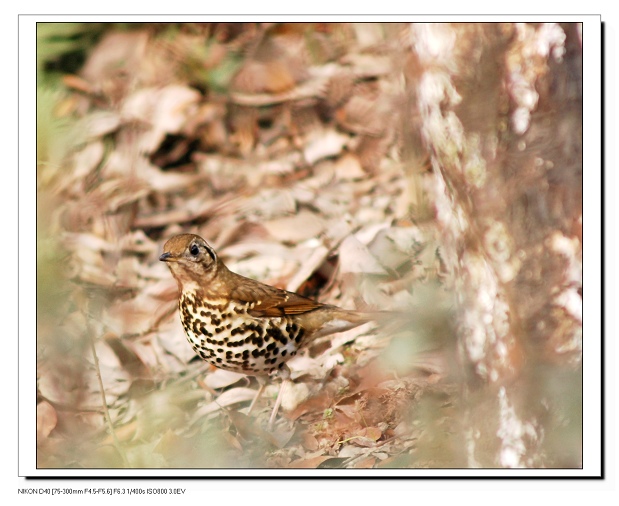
[280, 145]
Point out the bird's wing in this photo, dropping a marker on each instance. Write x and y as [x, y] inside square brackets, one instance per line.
[271, 301]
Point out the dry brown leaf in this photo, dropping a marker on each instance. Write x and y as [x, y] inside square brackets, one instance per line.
[166, 182]
[311, 463]
[133, 316]
[367, 436]
[270, 203]
[310, 88]
[362, 115]
[299, 227]
[293, 395]
[227, 398]
[366, 463]
[307, 268]
[221, 379]
[77, 83]
[117, 52]
[348, 167]
[339, 89]
[171, 347]
[46, 420]
[317, 368]
[130, 358]
[348, 451]
[99, 123]
[324, 144]
[248, 427]
[309, 441]
[164, 110]
[87, 159]
[369, 65]
[356, 258]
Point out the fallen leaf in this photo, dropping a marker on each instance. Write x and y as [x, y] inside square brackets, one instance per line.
[247, 427]
[324, 144]
[312, 463]
[228, 398]
[356, 258]
[221, 379]
[367, 463]
[296, 228]
[309, 441]
[46, 420]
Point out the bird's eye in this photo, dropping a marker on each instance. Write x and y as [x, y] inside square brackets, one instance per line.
[194, 250]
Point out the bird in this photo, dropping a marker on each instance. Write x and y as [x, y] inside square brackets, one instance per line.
[243, 325]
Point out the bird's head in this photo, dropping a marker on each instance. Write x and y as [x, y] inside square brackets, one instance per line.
[190, 259]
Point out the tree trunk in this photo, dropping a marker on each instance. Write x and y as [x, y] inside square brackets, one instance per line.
[499, 108]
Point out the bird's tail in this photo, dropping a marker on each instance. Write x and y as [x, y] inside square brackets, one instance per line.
[341, 320]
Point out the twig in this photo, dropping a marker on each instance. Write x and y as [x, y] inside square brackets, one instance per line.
[106, 413]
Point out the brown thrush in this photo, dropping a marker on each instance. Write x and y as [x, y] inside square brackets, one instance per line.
[239, 324]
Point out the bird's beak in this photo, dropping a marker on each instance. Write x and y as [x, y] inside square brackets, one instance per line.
[166, 257]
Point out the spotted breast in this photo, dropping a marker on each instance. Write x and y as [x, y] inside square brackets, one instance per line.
[225, 334]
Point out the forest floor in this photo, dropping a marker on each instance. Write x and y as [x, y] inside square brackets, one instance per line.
[287, 147]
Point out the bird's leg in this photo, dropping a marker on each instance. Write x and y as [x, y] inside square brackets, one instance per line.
[262, 382]
[284, 374]
[278, 401]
